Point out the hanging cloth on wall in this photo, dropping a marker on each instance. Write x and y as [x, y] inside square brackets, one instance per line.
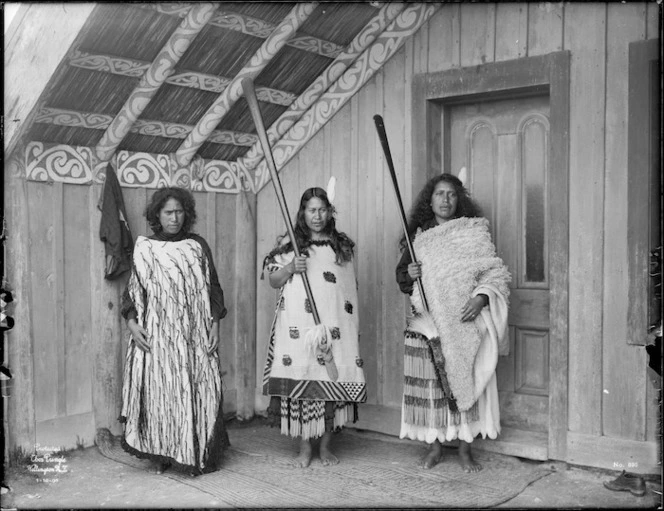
[114, 230]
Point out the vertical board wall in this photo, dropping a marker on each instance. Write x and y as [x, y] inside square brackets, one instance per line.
[70, 328]
[610, 394]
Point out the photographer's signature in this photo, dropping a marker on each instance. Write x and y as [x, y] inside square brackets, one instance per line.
[47, 463]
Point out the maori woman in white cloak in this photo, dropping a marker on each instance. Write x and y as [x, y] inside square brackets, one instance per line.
[172, 396]
[450, 387]
[315, 382]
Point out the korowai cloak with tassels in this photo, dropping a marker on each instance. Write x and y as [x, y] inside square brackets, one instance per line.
[458, 257]
[458, 261]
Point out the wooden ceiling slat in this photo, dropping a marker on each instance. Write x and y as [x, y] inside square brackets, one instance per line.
[316, 89]
[232, 93]
[179, 9]
[109, 64]
[219, 83]
[236, 18]
[60, 117]
[272, 12]
[260, 28]
[127, 67]
[177, 44]
[147, 127]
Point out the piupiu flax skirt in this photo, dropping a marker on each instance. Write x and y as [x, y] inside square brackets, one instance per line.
[310, 418]
[426, 415]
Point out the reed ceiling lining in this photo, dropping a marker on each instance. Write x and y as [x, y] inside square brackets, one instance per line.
[119, 42]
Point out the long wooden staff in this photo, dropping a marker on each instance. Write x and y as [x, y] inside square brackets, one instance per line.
[382, 135]
[250, 94]
[433, 342]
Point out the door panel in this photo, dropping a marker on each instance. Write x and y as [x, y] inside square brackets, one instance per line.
[504, 146]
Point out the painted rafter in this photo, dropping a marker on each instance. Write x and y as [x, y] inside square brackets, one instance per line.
[268, 50]
[371, 60]
[254, 27]
[154, 77]
[71, 118]
[229, 177]
[135, 68]
[297, 109]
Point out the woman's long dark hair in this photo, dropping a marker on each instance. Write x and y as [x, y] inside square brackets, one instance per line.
[421, 212]
[159, 199]
[340, 242]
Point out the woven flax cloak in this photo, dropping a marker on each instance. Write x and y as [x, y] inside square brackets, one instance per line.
[458, 261]
[172, 396]
[291, 368]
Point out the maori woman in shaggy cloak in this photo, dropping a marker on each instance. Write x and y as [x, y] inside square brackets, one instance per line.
[171, 396]
[315, 382]
[450, 387]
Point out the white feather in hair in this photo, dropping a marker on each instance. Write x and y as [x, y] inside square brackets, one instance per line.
[331, 186]
[463, 176]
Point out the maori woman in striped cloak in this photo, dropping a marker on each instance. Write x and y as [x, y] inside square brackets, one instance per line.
[314, 386]
[171, 396]
[450, 389]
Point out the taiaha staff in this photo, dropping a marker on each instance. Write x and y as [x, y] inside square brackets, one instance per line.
[425, 321]
[318, 336]
[250, 94]
[382, 135]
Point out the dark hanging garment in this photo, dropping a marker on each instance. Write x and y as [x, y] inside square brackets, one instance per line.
[114, 229]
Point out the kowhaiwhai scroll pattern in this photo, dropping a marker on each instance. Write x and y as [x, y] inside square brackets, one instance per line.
[313, 45]
[79, 165]
[270, 47]
[260, 28]
[154, 77]
[56, 162]
[143, 170]
[200, 81]
[386, 45]
[360, 42]
[141, 126]
[184, 78]
[160, 129]
[220, 175]
[242, 23]
[70, 118]
[233, 138]
[171, 8]
[108, 64]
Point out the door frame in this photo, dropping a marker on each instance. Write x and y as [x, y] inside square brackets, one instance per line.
[432, 94]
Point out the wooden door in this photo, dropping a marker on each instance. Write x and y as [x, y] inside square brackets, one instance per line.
[504, 146]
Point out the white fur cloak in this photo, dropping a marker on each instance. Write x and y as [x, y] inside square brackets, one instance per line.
[459, 261]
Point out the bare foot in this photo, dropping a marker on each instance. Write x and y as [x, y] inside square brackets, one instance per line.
[433, 457]
[466, 459]
[326, 456]
[304, 458]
